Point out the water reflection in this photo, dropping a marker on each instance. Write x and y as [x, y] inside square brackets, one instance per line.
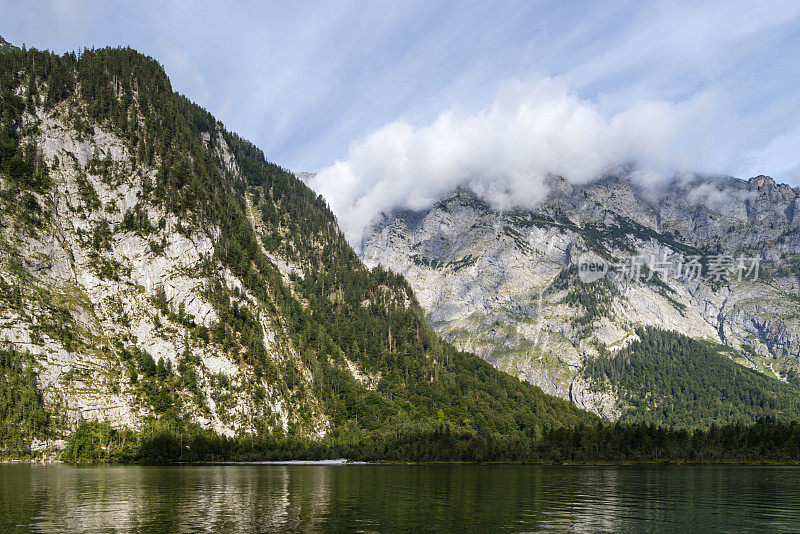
[261, 498]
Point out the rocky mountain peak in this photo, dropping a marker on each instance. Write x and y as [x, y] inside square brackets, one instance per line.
[762, 181]
[497, 282]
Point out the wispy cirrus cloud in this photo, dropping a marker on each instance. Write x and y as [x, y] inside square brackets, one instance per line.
[316, 83]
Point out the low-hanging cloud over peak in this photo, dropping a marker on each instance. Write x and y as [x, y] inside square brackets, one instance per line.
[532, 129]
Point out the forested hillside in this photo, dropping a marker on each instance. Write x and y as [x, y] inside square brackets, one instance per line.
[668, 378]
[160, 273]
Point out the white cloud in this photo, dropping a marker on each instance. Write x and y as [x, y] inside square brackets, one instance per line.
[304, 79]
[715, 195]
[505, 152]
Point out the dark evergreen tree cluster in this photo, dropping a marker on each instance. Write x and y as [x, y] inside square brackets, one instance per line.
[670, 379]
[765, 441]
[22, 412]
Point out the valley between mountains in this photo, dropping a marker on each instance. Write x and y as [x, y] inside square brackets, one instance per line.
[156, 269]
[159, 276]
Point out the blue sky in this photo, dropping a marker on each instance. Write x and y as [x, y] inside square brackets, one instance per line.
[311, 82]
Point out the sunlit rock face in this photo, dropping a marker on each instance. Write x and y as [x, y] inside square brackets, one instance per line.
[503, 283]
[95, 292]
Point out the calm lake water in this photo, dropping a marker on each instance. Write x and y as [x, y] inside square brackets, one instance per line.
[382, 498]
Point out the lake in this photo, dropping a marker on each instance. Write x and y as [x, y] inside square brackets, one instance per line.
[382, 498]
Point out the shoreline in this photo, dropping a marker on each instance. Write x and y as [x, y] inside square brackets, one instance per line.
[343, 462]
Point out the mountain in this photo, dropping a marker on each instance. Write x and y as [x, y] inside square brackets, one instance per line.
[505, 285]
[157, 271]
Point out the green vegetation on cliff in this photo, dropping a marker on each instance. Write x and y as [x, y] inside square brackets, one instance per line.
[22, 412]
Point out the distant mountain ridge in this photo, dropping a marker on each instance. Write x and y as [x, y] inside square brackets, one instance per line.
[505, 285]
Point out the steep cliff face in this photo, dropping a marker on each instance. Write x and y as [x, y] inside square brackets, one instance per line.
[115, 295]
[155, 267]
[504, 283]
